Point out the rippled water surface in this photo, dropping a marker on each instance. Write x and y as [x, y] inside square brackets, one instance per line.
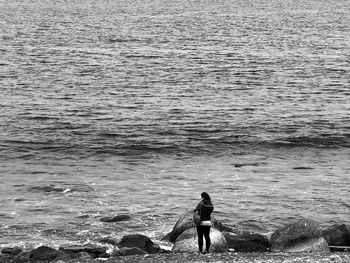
[119, 107]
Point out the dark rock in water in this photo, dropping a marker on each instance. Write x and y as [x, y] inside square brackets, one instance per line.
[188, 241]
[302, 168]
[238, 165]
[247, 242]
[300, 236]
[47, 188]
[185, 222]
[127, 251]
[94, 251]
[115, 218]
[139, 241]
[44, 253]
[11, 251]
[83, 216]
[337, 235]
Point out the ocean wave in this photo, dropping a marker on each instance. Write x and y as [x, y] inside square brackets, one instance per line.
[195, 142]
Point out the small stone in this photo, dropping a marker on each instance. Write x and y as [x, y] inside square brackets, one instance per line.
[334, 257]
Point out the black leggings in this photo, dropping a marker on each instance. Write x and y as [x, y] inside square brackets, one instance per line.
[203, 230]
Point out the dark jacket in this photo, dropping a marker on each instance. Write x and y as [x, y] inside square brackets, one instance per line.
[204, 208]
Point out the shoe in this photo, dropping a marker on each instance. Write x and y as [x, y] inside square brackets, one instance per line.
[205, 252]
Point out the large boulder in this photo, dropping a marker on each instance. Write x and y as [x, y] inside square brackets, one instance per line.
[188, 241]
[185, 222]
[247, 242]
[299, 236]
[337, 235]
[140, 241]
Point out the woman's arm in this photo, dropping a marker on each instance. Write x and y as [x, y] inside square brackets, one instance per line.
[197, 208]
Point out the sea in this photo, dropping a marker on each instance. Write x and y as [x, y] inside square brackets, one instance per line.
[119, 107]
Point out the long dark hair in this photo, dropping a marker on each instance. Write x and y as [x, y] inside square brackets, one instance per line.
[206, 196]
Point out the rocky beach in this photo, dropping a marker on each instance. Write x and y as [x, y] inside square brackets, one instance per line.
[116, 115]
[298, 241]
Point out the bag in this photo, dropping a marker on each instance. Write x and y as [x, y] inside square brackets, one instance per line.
[196, 219]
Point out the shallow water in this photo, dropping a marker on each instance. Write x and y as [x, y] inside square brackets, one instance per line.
[114, 108]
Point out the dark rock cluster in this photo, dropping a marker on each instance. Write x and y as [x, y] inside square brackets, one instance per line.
[129, 245]
[304, 236]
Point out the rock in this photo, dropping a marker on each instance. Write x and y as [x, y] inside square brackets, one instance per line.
[337, 235]
[185, 222]
[44, 253]
[14, 251]
[300, 236]
[93, 251]
[117, 218]
[247, 242]
[188, 241]
[6, 258]
[23, 256]
[188, 233]
[127, 251]
[140, 241]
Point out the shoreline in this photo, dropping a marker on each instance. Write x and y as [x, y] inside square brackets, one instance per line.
[298, 241]
[266, 257]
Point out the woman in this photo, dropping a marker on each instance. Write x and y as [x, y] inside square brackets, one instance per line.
[204, 209]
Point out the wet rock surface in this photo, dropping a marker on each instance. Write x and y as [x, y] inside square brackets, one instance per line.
[247, 242]
[140, 241]
[299, 236]
[337, 235]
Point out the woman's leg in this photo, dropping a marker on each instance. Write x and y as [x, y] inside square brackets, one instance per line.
[200, 238]
[206, 232]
